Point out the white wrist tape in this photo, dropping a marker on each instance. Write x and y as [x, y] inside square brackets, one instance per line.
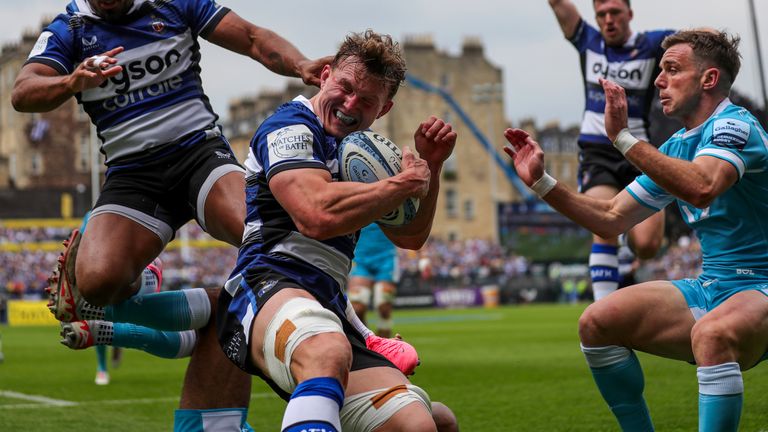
[95, 62]
[624, 141]
[543, 185]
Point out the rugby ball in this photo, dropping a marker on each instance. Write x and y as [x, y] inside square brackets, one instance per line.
[368, 157]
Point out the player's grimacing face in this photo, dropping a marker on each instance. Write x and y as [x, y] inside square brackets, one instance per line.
[111, 9]
[679, 82]
[350, 98]
[613, 17]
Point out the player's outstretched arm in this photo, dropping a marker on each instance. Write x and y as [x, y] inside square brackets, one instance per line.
[606, 218]
[567, 16]
[434, 140]
[40, 88]
[267, 47]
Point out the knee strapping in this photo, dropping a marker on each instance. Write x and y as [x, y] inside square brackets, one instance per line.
[297, 320]
[364, 412]
[382, 293]
[360, 294]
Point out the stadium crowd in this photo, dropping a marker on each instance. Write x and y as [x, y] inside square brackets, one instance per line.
[26, 262]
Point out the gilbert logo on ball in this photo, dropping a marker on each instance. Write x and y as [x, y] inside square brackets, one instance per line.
[369, 157]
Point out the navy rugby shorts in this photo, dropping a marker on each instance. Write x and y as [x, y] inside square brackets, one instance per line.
[602, 164]
[167, 187]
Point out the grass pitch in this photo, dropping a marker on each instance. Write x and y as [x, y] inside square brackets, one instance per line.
[505, 369]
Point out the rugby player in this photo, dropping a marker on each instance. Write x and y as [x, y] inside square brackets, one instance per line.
[374, 268]
[134, 66]
[715, 169]
[283, 312]
[612, 51]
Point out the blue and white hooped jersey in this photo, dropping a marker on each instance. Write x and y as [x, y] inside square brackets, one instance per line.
[633, 66]
[733, 230]
[291, 138]
[158, 97]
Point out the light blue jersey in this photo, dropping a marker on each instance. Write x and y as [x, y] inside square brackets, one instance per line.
[375, 256]
[733, 230]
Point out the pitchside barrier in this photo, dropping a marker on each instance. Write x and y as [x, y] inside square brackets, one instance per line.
[30, 313]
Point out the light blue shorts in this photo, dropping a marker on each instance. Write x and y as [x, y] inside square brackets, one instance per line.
[714, 287]
[382, 268]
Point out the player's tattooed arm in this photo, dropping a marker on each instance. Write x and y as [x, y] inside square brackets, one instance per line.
[267, 47]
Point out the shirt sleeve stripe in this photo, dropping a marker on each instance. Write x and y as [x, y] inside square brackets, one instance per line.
[725, 155]
[642, 196]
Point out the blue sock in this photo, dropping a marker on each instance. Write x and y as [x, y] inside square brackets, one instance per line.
[165, 344]
[619, 378]
[101, 357]
[170, 310]
[314, 405]
[721, 394]
[604, 269]
[211, 420]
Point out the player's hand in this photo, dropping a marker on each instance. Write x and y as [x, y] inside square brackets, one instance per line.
[414, 175]
[435, 140]
[526, 155]
[309, 70]
[615, 108]
[93, 71]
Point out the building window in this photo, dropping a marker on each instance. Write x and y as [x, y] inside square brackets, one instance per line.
[451, 206]
[450, 168]
[469, 210]
[37, 163]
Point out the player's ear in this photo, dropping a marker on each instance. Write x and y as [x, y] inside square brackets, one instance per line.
[324, 75]
[710, 78]
[386, 108]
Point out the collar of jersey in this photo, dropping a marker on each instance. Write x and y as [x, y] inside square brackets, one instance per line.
[720, 108]
[304, 101]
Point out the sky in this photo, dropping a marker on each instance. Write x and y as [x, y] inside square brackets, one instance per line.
[540, 68]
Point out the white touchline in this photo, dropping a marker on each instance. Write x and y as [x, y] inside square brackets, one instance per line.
[35, 398]
[45, 401]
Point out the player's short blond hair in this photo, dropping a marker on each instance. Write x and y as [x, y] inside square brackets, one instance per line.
[379, 54]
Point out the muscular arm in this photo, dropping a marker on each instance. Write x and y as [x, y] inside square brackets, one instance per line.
[606, 218]
[698, 182]
[323, 209]
[40, 88]
[567, 16]
[434, 139]
[414, 234]
[267, 47]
